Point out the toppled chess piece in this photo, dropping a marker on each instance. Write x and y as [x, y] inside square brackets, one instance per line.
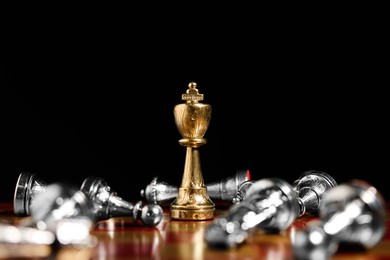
[270, 204]
[105, 202]
[158, 191]
[352, 213]
[311, 186]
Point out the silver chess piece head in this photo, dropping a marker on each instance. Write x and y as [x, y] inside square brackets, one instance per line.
[270, 204]
[311, 187]
[352, 213]
[158, 191]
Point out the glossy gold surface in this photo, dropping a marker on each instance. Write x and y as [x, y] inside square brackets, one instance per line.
[192, 120]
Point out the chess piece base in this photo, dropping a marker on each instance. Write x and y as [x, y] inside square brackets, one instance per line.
[192, 204]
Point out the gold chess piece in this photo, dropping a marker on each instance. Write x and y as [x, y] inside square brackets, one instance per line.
[192, 120]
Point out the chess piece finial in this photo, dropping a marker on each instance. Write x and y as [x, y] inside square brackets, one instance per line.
[270, 204]
[192, 120]
[158, 191]
[192, 94]
[350, 213]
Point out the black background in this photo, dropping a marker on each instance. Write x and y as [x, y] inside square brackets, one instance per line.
[283, 102]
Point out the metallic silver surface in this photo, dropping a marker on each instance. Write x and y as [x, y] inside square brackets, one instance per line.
[351, 213]
[28, 186]
[241, 191]
[150, 214]
[311, 187]
[270, 204]
[158, 191]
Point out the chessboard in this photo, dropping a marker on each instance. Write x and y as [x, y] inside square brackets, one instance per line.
[129, 238]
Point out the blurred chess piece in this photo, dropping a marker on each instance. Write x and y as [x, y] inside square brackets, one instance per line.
[270, 204]
[27, 188]
[64, 211]
[159, 191]
[351, 213]
[192, 120]
[13, 234]
[105, 202]
[311, 186]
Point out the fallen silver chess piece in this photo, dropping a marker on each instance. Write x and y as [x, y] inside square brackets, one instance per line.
[105, 202]
[311, 186]
[270, 204]
[158, 191]
[351, 213]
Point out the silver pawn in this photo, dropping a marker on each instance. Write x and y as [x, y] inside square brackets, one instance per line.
[106, 203]
[159, 191]
[270, 204]
[351, 213]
